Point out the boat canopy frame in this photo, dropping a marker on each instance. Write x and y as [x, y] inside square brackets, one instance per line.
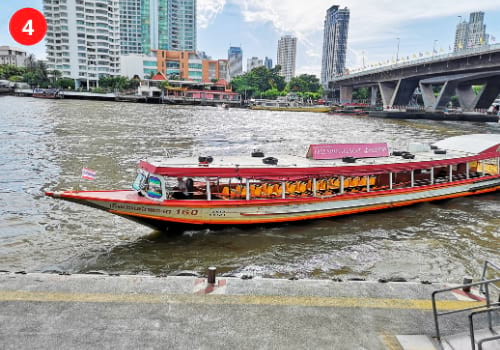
[295, 173]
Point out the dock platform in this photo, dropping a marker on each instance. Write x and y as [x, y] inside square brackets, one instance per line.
[463, 117]
[51, 311]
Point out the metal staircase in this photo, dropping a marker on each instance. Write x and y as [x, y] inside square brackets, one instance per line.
[475, 339]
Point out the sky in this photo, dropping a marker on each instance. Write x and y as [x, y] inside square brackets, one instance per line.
[375, 25]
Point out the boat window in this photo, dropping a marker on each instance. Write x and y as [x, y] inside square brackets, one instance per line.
[154, 187]
[139, 181]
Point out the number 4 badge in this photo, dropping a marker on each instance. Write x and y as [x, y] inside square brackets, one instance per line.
[28, 26]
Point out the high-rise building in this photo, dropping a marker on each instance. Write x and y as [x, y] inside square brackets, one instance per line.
[235, 59]
[168, 25]
[154, 30]
[287, 55]
[335, 34]
[130, 27]
[461, 36]
[254, 62]
[471, 34]
[182, 25]
[268, 63]
[83, 39]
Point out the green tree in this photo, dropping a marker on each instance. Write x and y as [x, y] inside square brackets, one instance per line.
[165, 85]
[65, 83]
[9, 70]
[304, 83]
[56, 75]
[361, 94]
[30, 78]
[271, 94]
[259, 80]
[16, 78]
[30, 62]
[36, 73]
[114, 83]
[133, 83]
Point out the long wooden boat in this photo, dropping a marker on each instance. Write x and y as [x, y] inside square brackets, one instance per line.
[47, 93]
[218, 191]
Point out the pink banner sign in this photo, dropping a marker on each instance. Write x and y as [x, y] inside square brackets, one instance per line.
[356, 150]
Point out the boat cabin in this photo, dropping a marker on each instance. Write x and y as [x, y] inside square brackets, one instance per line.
[262, 178]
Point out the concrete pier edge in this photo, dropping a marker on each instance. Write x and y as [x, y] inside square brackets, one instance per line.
[133, 311]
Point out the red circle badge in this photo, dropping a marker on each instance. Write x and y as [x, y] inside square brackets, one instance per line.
[28, 26]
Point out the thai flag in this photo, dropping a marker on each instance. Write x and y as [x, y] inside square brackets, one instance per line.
[88, 174]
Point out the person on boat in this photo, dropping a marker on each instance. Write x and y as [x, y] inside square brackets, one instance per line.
[181, 192]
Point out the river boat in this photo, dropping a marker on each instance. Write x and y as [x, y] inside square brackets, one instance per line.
[313, 109]
[353, 109]
[47, 93]
[332, 180]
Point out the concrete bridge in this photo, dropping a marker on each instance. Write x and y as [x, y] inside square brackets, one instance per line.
[453, 74]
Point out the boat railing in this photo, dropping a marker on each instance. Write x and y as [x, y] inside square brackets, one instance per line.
[485, 307]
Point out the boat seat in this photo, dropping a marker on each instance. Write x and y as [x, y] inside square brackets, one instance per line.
[354, 182]
[263, 190]
[235, 193]
[336, 183]
[258, 192]
[373, 180]
[347, 182]
[276, 190]
[331, 183]
[362, 181]
[301, 188]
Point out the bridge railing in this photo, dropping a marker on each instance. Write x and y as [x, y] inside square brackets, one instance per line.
[434, 58]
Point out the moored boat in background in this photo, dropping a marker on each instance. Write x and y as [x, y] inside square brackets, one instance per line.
[331, 180]
[357, 109]
[47, 93]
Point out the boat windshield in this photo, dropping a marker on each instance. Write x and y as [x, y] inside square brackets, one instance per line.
[154, 189]
[139, 181]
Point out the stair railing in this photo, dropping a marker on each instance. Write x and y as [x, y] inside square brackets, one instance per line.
[486, 306]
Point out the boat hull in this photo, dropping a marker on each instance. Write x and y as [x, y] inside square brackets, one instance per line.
[182, 214]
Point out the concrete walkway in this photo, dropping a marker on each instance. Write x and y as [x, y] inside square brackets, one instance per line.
[48, 311]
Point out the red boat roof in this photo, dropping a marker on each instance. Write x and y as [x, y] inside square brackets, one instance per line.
[293, 167]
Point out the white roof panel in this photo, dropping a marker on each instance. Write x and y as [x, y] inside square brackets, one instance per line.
[475, 143]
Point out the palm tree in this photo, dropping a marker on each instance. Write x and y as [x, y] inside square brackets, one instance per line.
[56, 75]
[30, 62]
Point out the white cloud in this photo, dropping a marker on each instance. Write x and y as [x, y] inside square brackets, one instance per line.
[207, 10]
[370, 21]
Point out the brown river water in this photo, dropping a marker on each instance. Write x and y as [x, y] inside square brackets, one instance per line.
[45, 144]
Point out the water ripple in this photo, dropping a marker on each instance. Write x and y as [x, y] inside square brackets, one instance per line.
[46, 143]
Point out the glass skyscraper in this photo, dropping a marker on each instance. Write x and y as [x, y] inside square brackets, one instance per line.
[130, 27]
[235, 59]
[334, 43]
[168, 25]
[181, 24]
